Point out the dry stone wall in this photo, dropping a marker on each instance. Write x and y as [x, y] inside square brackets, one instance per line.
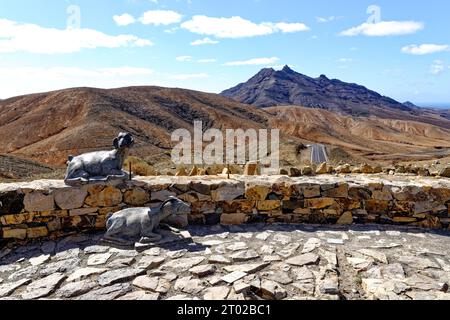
[49, 208]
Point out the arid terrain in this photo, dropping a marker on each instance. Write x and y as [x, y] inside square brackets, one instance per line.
[354, 124]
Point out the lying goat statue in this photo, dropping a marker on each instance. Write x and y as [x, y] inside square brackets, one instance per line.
[101, 165]
[128, 226]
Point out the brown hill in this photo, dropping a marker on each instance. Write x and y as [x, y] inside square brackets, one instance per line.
[50, 126]
[372, 137]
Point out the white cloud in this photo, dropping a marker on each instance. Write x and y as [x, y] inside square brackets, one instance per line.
[425, 49]
[23, 80]
[190, 76]
[326, 19]
[384, 28]
[437, 67]
[183, 58]
[124, 19]
[160, 17]
[206, 60]
[17, 37]
[290, 27]
[203, 41]
[345, 60]
[256, 61]
[237, 27]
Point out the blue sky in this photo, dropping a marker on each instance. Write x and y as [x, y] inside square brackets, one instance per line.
[399, 48]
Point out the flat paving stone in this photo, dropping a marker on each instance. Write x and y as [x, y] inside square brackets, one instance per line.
[236, 263]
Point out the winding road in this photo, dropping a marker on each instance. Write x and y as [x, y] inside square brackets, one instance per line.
[318, 154]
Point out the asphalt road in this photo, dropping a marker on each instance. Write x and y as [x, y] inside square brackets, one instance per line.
[318, 154]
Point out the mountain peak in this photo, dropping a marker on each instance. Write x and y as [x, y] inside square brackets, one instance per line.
[286, 87]
[286, 68]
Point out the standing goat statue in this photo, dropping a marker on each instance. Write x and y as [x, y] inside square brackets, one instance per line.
[100, 166]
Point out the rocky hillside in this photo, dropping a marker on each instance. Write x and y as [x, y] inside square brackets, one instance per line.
[370, 137]
[48, 127]
[286, 87]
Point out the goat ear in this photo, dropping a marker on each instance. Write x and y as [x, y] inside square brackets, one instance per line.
[116, 143]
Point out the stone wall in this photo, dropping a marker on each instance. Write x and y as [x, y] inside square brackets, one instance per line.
[49, 208]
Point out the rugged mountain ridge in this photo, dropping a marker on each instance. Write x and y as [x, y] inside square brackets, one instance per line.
[270, 88]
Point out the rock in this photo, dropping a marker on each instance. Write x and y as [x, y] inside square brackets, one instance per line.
[203, 270]
[216, 293]
[108, 197]
[341, 191]
[304, 259]
[37, 232]
[241, 287]
[359, 264]
[43, 287]
[343, 169]
[378, 169]
[237, 246]
[118, 275]
[228, 192]
[245, 256]
[139, 295]
[378, 256]
[121, 263]
[271, 290]
[183, 264]
[219, 259]
[150, 262]
[189, 285]
[98, 259]
[294, 172]
[39, 260]
[322, 169]
[181, 172]
[257, 192]
[345, 219]
[393, 271]
[74, 289]
[9, 233]
[107, 293]
[330, 285]
[234, 276]
[252, 169]
[36, 201]
[268, 205]
[311, 192]
[147, 283]
[445, 172]
[136, 197]
[319, 203]
[331, 257]
[280, 277]
[83, 273]
[95, 249]
[307, 171]
[283, 172]
[59, 266]
[70, 198]
[9, 288]
[367, 169]
[233, 219]
[423, 172]
[311, 244]
[417, 262]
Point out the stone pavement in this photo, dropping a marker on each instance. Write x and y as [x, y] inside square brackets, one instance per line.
[238, 262]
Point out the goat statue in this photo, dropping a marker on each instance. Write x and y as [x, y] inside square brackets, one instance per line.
[128, 226]
[100, 166]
